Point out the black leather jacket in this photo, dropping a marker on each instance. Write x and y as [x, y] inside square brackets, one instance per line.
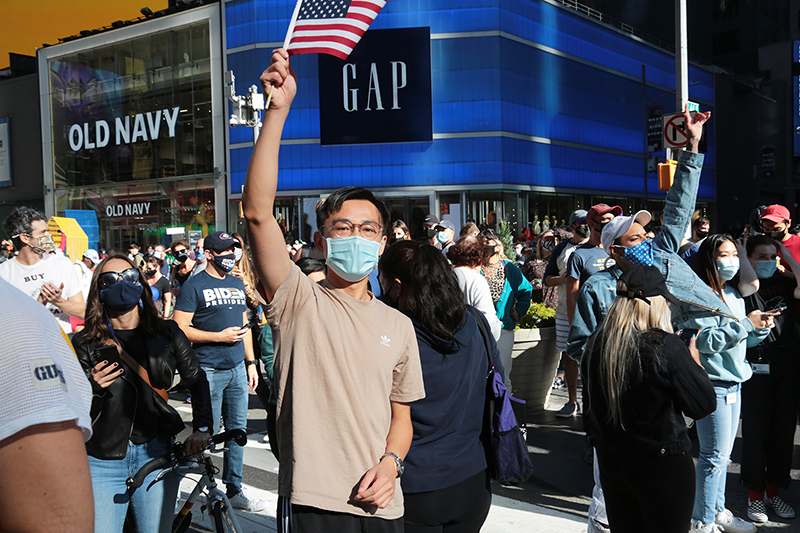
[114, 408]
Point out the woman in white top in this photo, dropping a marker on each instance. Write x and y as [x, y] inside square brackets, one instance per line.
[467, 255]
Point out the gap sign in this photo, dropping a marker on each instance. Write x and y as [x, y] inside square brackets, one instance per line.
[381, 93]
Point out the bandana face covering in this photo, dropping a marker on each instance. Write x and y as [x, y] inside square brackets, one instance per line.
[641, 254]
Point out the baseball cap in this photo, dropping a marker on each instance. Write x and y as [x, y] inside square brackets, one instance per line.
[619, 226]
[220, 240]
[430, 220]
[446, 224]
[644, 281]
[775, 213]
[601, 209]
[92, 254]
[577, 216]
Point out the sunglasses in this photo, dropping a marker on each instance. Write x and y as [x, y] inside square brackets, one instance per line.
[107, 279]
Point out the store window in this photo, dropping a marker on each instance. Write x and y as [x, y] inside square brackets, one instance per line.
[146, 213]
[133, 111]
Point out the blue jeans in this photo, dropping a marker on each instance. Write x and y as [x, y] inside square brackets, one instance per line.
[716, 434]
[153, 506]
[229, 399]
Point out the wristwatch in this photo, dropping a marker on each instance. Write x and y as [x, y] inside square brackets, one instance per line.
[203, 429]
[248, 363]
[397, 461]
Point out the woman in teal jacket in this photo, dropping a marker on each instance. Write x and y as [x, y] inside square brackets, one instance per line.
[511, 294]
[722, 344]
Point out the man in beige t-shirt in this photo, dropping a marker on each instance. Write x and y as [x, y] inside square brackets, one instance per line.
[346, 365]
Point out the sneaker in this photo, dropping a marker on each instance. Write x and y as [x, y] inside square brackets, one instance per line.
[699, 527]
[732, 524]
[757, 511]
[569, 410]
[780, 507]
[242, 501]
[265, 438]
[558, 382]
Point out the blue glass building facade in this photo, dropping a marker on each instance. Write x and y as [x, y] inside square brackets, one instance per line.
[530, 100]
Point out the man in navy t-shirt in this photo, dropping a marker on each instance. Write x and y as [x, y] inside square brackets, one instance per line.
[211, 310]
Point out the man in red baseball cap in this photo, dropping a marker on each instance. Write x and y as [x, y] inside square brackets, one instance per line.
[587, 259]
[776, 221]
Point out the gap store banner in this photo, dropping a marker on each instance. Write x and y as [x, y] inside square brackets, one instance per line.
[525, 95]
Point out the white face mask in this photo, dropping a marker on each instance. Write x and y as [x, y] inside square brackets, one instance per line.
[238, 253]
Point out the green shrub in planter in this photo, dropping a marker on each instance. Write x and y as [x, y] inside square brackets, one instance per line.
[538, 316]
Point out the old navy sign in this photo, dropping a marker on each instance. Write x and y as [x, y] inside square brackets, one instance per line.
[127, 129]
[141, 208]
[381, 93]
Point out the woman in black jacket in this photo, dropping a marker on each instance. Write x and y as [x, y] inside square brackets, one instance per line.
[131, 420]
[638, 377]
[445, 484]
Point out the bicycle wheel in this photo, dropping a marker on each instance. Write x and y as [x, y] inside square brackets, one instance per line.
[222, 518]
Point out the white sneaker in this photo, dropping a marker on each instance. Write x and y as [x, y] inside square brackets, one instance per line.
[242, 501]
[731, 524]
[699, 527]
[265, 438]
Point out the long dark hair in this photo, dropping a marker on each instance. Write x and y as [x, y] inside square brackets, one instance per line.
[431, 286]
[706, 264]
[96, 321]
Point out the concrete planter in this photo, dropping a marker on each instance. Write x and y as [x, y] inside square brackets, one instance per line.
[535, 362]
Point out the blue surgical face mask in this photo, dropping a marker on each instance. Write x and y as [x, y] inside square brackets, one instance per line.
[225, 262]
[765, 269]
[352, 258]
[727, 267]
[641, 254]
[121, 296]
[441, 237]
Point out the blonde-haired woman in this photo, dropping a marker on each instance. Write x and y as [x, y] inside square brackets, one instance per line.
[638, 377]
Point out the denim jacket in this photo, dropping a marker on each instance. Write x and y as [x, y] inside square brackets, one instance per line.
[599, 291]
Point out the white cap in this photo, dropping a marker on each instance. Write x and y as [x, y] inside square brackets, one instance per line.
[619, 226]
[92, 254]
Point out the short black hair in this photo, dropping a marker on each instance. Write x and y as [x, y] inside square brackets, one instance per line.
[20, 221]
[757, 240]
[699, 221]
[134, 245]
[308, 265]
[333, 204]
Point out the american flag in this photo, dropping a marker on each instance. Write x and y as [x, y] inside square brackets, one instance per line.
[331, 26]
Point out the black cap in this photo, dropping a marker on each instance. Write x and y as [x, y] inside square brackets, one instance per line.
[644, 281]
[431, 220]
[219, 241]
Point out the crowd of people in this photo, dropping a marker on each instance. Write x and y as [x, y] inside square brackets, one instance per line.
[366, 350]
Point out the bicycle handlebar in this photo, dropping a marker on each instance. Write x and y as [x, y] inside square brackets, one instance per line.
[177, 453]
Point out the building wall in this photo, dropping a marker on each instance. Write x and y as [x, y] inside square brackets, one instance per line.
[19, 101]
[526, 95]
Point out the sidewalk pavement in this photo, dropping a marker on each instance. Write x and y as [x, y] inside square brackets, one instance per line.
[506, 516]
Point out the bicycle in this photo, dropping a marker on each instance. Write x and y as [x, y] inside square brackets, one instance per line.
[216, 500]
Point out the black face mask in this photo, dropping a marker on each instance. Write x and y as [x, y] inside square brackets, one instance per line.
[701, 234]
[182, 257]
[583, 231]
[150, 273]
[430, 232]
[601, 225]
[777, 235]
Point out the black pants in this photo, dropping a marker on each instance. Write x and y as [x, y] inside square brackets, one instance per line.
[461, 508]
[769, 418]
[653, 494]
[302, 519]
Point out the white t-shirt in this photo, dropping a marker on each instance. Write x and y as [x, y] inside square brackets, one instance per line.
[478, 295]
[55, 269]
[41, 381]
[84, 274]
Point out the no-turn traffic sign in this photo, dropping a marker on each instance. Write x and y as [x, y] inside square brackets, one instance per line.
[674, 130]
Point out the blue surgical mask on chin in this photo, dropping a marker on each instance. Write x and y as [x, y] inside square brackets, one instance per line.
[765, 269]
[121, 296]
[641, 254]
[727, 267]
[352, 258]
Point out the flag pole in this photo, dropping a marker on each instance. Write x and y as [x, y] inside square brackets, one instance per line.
[286, 40]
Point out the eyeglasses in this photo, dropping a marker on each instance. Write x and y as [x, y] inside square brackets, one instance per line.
[368, 230]
[107, 279]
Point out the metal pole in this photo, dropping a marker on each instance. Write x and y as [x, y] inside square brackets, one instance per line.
[644, 136]
[681, 57]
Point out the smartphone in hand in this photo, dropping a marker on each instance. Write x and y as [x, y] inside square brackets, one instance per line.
[107, 353]
[686, 334]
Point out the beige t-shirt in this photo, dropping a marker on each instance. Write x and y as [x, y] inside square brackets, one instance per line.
[338, 363]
